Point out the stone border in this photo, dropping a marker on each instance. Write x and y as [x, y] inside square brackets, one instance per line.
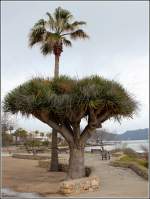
[140, 170]
[30, 157]
[75, 186]
[81, 185]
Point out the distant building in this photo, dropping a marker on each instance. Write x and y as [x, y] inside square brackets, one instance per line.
[10, 131]
[40, 136]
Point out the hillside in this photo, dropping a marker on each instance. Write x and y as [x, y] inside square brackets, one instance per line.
[139, 134]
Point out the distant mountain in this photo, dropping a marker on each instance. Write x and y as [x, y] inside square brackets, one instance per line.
[139, 134]
[101, 134]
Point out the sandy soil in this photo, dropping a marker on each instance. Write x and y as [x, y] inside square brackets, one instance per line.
[26, 176]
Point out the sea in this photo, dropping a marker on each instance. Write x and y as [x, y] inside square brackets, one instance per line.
[133, 144]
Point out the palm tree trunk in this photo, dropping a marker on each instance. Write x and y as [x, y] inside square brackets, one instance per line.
[16, 140]
[56, 72]
[54, 151]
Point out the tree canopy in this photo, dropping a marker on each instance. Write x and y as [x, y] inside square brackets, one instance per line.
[21, 133]
[67, 100]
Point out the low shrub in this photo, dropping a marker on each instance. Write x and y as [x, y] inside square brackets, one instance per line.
[116, 150]
[145, 152]
[143, 162]
[29, 157]
[139, 166]
[45, 143]
[130, 152]
[127, 158]
[119, 164]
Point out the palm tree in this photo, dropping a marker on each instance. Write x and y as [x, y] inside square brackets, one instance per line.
[52, 35]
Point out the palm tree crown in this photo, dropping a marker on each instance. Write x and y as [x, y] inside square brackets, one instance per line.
[53, 33]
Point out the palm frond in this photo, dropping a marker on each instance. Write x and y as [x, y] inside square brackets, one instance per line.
[61, 17]
[36, 35]
[40, 23]
[67, 27]
[78, 23]
[78, 34]
[73, 26]
[61, 13]
[50, 22]
[67, 42]
[46, 49]
[51, 37]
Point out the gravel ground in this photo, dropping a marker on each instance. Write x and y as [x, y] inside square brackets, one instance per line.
[25, 176]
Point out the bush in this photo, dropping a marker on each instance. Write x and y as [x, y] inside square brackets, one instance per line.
[143, 162]
[130, 152]
[32, 145]
[116, 150]
[127, 158]
[118, 163]
[145, 153]
[46, 143]
[7, 139]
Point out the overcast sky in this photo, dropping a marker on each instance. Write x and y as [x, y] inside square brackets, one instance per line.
[117, 49]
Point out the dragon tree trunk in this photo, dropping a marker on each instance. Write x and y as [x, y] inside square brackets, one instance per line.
[76, 162]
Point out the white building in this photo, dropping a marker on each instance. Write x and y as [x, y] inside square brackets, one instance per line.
[41, 136]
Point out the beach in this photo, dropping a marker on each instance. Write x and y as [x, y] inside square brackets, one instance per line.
[22, 175]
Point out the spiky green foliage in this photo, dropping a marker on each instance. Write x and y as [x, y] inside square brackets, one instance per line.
[63, 97]
[56, 30]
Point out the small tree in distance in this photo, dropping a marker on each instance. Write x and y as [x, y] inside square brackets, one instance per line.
[62, 102]
[7, 124]
[21, 134]
[32, 145]
[36, 132]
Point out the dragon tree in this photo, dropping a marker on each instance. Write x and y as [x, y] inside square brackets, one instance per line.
[63, 102]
